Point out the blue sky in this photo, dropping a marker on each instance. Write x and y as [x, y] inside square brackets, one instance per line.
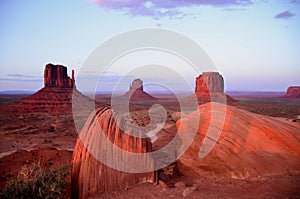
[255, 44]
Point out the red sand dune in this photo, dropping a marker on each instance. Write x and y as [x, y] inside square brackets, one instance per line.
[250, 145]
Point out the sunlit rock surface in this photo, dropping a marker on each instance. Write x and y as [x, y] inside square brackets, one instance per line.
[106, 139]
[249, 146]
[209, 87]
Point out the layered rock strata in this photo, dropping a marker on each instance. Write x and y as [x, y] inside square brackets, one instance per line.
[210, 88]
[249, 145]
[106, 141]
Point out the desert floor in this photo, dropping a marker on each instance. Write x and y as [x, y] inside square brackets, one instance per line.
[27, 137]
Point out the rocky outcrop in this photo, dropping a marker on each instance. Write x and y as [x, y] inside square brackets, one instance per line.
[56, 76]
[210, 88]
[293, 92]
[209, 82]
[55, 97]
[136, 85]
[108, 139]
[249, 145]
[48, 99]
[137, 93]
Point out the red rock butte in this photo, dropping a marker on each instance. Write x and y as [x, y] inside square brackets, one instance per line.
[56, 96]
[293, 92]
[209, 82]
[210, 87]
[137, 93]
[56, 76]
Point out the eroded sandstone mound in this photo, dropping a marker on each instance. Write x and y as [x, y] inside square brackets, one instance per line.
[249, 146]
[293, 92]
[137, 93]
[102, 138]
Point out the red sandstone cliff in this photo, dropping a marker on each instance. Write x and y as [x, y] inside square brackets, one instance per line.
[293, 92]
[209, 82]
[56, 96]
[210, 88]
[91, 177]
[249, 146]
[56, 76]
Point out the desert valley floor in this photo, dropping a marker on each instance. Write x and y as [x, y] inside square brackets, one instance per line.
[28, 136]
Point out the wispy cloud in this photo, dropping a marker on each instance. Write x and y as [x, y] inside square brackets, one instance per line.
[284, 15]
[164, 8]
[21, 78]
[291, 1]
[20, 75]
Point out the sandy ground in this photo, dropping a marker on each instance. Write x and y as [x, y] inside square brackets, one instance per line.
[33, 133]
[196, 188]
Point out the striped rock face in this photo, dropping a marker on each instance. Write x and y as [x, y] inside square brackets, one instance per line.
[210, 88]
[209, 82]
[243, 144]
[57, 76]
[104, 152]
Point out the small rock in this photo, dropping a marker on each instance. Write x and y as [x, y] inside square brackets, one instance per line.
[188, 191]
[179, 184]
[162, 184]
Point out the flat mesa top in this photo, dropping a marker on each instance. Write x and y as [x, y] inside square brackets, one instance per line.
[55, 66]
[298, 87]
[210, 73]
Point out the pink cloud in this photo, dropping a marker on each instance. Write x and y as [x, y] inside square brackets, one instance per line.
[163, 8]
[284, 15]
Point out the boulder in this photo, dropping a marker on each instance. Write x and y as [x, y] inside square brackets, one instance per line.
[243, 144]
[103, 154]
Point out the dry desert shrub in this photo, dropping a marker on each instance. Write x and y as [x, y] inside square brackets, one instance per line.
[36, 182]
